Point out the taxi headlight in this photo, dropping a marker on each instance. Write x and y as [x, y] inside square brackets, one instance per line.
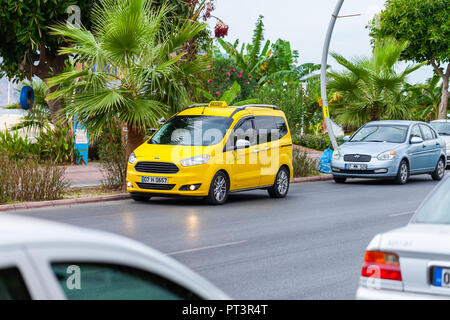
[195, 161]
[132, 158]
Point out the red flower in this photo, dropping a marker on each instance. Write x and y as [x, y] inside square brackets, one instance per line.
[210, 80]
[228, 74]
[218, 93]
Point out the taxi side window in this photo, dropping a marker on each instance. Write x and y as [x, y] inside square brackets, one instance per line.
[265, 127]
[244, 131]
[415, 132]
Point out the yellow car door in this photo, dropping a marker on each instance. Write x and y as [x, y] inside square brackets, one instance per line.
[243, 161]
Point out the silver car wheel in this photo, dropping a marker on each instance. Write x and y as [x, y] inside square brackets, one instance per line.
[220, 188]
[440, 168]
[404, 172]
[282, 182]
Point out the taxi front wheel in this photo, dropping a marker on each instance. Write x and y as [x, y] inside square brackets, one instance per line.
[281, 186]
[218, 191]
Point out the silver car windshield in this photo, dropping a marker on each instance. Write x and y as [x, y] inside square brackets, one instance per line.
[381, 133]
[443, 128]
[436, 210]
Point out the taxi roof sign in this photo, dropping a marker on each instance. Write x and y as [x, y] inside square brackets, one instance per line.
[218, 104]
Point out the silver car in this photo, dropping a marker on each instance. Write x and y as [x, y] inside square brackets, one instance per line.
[443, 128]
[391, 149]
[412, 262]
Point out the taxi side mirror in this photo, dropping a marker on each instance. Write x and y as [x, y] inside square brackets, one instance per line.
[242, 144]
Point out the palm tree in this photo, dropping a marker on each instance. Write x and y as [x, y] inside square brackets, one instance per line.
[428, 98]
[371, 88]
[141, 75]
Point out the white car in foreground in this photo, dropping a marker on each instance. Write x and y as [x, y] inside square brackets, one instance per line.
[412, 262]
[47, 260]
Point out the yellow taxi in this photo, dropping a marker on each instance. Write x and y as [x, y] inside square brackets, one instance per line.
[213, 150]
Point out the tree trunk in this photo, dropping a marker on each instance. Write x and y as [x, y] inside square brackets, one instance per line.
[55, 106]
[444, 99]
[136, 137]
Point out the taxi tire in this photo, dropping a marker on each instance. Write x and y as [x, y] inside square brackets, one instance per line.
[274, 191]
[140, 197]
[211, 198]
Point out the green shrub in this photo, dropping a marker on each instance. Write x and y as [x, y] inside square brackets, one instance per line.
[111, 154]
[29, 180]
[52, 144]
[16, 147]
[317, 142]
[304, 166]
[57, 145]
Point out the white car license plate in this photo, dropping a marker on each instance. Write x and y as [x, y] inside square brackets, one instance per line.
[156, 180]
[441, 277]
[355, 166]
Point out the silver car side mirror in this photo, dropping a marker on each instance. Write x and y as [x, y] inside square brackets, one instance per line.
[346, 138]
[416, 140]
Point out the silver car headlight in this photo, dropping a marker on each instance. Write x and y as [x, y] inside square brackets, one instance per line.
[336, 154]
[195, 161]
[132, 158]
[388, 155]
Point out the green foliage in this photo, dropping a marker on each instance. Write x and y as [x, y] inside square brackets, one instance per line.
[24, 26]
[112, 157]
[28, 179]
[313, 141]
[221, 76]
[250, 58]
[371, 88]
[39, 115]
[56, 145]
[424, 24]
[153, 78]
[16, 147]
[304, 166]
[297, 99]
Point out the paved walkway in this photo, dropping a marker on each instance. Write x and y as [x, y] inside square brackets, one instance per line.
[90, 175]
[84, 175]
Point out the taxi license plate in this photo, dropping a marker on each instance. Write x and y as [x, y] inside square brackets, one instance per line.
[156, 180]
[441, 277]
[355, 166]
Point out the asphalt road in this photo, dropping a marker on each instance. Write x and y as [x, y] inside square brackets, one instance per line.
[307, 246]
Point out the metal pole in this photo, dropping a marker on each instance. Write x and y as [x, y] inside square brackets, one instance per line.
[323, 76]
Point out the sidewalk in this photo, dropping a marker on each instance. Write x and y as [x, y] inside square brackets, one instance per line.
[84, 175]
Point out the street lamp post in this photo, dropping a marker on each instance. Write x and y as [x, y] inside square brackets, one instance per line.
[323, 76]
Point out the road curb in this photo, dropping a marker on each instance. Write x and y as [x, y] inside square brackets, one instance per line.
[64, 202]
[122, 196]
[313, 179]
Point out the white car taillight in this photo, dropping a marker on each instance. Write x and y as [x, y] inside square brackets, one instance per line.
[381, 265]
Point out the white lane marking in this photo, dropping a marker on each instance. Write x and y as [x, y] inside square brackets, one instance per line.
[400, 214]
[208, 247]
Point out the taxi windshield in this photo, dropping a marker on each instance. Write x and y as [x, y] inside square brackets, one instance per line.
[192, 131]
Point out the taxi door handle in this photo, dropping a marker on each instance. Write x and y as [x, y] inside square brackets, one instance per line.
[256, 151]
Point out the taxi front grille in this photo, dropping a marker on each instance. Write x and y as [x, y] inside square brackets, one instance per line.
[156, 167]
[155, 186]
